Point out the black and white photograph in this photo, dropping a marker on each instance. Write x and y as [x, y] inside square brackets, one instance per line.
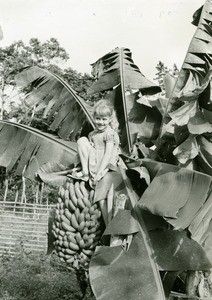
[105, 149]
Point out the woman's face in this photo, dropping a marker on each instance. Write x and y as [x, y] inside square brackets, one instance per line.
[101, 122]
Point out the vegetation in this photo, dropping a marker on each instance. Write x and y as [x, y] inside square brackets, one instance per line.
[30, 276]
[49, 55]
[164, 176]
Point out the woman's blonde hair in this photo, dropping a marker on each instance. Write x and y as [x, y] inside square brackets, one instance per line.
[105, 108]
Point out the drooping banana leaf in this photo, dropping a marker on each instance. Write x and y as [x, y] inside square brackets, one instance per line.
[171, 250]
[181, 252]
[115, 273]
[190, 102]
[60, 103]
[182, 197]
[195, 75]
[117, 74]
[26, 149]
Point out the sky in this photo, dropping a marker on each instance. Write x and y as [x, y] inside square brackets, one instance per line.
[88, 29]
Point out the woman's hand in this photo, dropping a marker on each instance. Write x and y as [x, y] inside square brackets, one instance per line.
[93, 181]
[99, 175]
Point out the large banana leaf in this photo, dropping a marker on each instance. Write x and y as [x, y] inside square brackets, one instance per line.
[142, 121]
[195, 75]
[182, 253]
[117, 74]
[182, 197]
[118, 67]
[119, 274]
[60, 103]
[115, 273]
[27, 149]
[190, 103]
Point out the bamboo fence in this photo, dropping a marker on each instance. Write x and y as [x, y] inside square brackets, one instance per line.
[24, 225]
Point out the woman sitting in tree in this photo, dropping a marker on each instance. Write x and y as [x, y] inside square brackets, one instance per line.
[101, 148]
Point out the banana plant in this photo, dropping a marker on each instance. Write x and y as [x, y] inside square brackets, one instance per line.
[186, 130]
[171, 197]
[141, 276]
[121, 81]
[124, 84]
[126, 87]
[25, 150]
[187, 121]
[60, 104]
[42, 87]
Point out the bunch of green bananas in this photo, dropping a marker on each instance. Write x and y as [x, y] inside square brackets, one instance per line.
[77, 225]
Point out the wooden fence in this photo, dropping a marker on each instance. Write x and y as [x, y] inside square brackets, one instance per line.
[24, 225]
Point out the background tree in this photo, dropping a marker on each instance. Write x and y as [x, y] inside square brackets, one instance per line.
[49, 55]
[163, 70]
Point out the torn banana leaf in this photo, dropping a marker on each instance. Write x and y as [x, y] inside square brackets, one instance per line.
[117, 74]
[59, 102]
[117, 67]
[27, 149]
[195, 75]
[190, 102]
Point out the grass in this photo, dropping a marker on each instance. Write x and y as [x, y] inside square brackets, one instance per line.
[30, 276]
